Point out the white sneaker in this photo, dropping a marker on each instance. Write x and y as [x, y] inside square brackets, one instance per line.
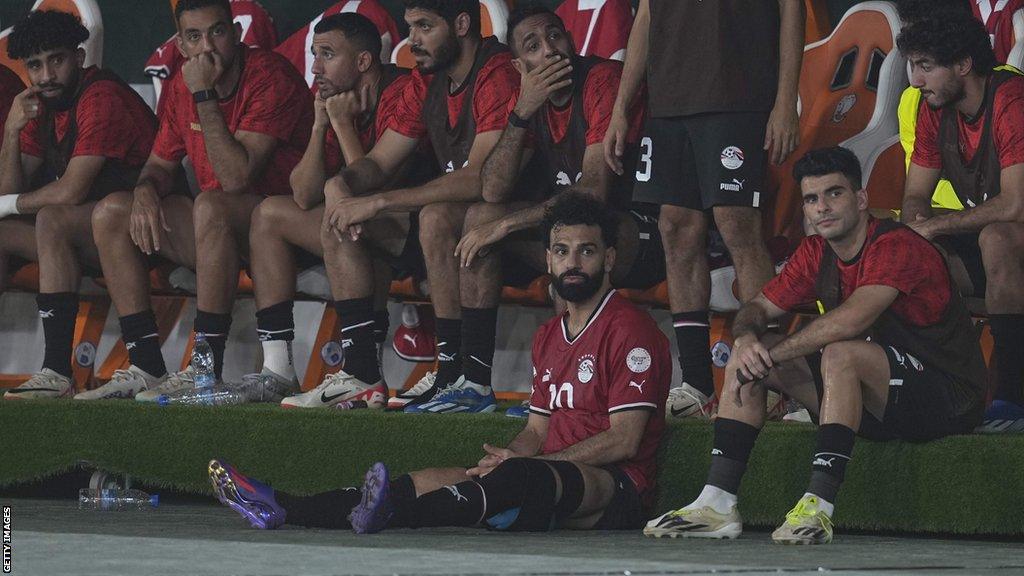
[268, 386]
[123, 384]
[338, 388]
[687, 402]
[175, 383]
[701, 522]
[43, 384]
[421, 387]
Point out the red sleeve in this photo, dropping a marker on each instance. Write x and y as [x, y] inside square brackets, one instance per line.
[1008, 124]
[599, 100]
[634, 368]
[611, 33]
[169, 143]
[273, 105]
[257, 25]
[103, 127]
[406, 117]
[497, 84]
[794, 286]
[926, 140]
[540, 397]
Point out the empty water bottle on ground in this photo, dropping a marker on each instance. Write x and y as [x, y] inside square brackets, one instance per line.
[217, 395]
[202, 363]
[116, 499]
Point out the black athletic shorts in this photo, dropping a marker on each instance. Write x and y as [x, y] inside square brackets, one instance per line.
[625, 511]
[966, 248]
[920, 404]
[704, 160]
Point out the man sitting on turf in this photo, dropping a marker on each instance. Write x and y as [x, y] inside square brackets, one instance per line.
[586, 457]
[76, 135]
[919, 376]
[355, 101]
[243, 116]
[560, 117]
[972, 132]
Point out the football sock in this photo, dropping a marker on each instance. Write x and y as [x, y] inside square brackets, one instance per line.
[693, 337]
[58, 312]
[142, 339]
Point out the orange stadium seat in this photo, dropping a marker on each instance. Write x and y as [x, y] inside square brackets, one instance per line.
[817, 25]
[87, 10]
[493, 22]
[599, 27]
[850, 84]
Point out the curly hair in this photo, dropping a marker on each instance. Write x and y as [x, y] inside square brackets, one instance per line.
[45, 30]
[574, 208]
[450, 10]
[948, 39]
[911, 11]
[825, 161]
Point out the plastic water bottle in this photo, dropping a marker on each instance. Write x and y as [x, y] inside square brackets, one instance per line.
[116, 499]
[208, 396]
[202, 363]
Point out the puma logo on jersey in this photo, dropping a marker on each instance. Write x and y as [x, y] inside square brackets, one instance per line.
[547, 375]
[639, 386]
[410, 338]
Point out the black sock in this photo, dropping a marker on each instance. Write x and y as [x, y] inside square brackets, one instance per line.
[693, 336]
[734, 440]
[216, 328]
[381, 324]
[449, 347]
[276, 322]
[479, 326]
[142, 339]
[357, 338]
[835, 445]
[324, 510]
[58, 312]
[1008, 345]
[459, 505]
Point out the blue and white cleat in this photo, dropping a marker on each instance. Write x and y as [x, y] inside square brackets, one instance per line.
[462, 396]
[374, 511]
[521, 411]
[1002, 417]
[253, 500]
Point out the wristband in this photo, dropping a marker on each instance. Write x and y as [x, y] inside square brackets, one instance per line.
[204, 95]
[9, 205]
[518, 121]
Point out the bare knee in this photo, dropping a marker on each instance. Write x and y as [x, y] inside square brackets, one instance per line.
[683, 232]
[270, 216]
[482, 213]
[111, 215]
[210, 213]
[440, 226]
[1001, 246]
[51, 224]
[838, 358]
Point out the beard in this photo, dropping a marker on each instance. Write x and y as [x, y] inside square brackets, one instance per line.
[581, 291]
[444, 55]
[66, 98]
[947, 97]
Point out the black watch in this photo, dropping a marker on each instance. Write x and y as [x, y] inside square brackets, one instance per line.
[518, 121]
[204, 95]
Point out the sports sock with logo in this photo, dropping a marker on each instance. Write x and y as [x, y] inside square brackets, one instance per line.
[58, 312]
[1008, 344]
[356, 317]
[142, 339]
[449, 347]
[835, 445]
[276, 328]
[479, 326]
[734, 440]
[381, 324]
[216, 328]
[693, 337]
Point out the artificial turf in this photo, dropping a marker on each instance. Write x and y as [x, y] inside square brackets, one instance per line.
[959, 485]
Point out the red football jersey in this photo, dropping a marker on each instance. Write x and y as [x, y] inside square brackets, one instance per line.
[10, 86]
[598, 27]
[271, 99]
[111, 123]
[297, 48]
[620, 361]
[997, 16]
[385, 110]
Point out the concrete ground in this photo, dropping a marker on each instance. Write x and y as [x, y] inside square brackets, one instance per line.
[195, 537]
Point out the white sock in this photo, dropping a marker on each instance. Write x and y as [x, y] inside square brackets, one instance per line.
[823, 505]
[277, 357]
[715, 498]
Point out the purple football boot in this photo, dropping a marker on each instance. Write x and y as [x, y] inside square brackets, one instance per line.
[252, 499]
[375, 509]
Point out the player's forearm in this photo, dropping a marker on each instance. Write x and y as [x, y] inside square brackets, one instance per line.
[364, 176]
[310, 174]
[501, 169]
[635, 66]
[523, 219]
[791, 50]
[1002, 208]
[752, 320]
[13, 181]
[838, 325]
[156, 178]
[59, 192]
[462, 185]
[608, 447]
[527, 443]
[229, 158]
[915, 205]
[351, 146]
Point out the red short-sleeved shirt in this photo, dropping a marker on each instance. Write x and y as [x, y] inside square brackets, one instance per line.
[389, 99]
[10, 86]
[598, 27]
[620, 361]
[271, 98]
[1007, 129]
[496, 84]
[900, 259]
[113, 122]
[997, 16]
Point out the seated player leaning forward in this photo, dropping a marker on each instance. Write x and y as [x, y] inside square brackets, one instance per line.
[898, 354]
[586, 457]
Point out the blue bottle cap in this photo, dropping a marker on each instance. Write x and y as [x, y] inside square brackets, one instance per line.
[163, 400]
[154, 500]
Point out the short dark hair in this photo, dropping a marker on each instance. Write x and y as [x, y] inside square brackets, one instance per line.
[947, 39]
[186, 5]
[450, 10]
[574, 208]
[45, 30]
[527, 11]
[825, 161]
[911, 11]
[357, 29]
